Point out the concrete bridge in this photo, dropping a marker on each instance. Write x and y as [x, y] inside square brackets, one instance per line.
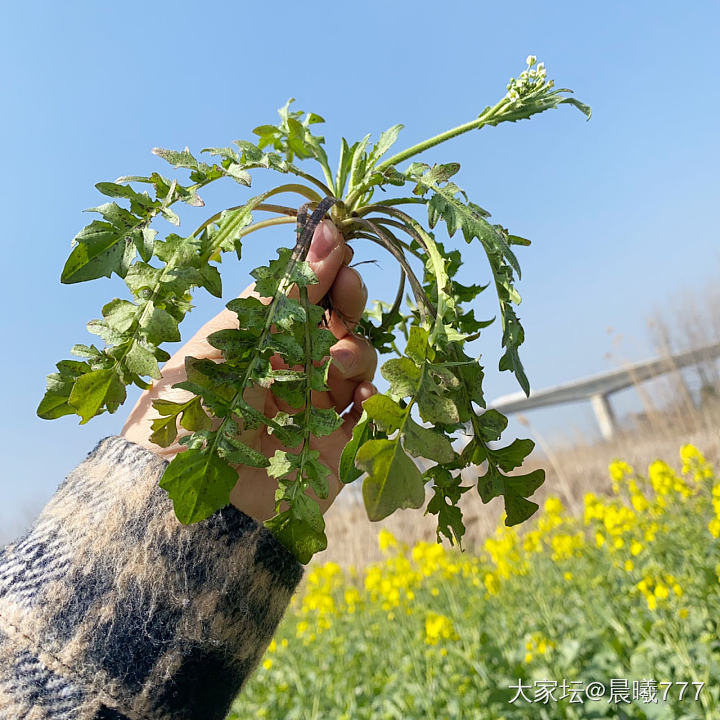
[598, 388]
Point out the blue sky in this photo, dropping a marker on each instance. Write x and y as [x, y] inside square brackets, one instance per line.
[621, 210]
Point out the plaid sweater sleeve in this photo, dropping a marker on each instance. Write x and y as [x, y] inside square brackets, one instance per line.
[110, 609]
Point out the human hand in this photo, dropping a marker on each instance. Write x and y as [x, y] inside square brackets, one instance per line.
[354, 361]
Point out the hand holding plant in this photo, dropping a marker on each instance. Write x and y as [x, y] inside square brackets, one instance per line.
[349, 376]
[280, 346]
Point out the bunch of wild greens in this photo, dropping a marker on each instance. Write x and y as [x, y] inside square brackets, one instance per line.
[432, 373]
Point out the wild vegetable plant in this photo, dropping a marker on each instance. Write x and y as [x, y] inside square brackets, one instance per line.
[431, 374]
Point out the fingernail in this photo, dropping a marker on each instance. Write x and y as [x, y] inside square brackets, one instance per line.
[344, 360]
[325, 240]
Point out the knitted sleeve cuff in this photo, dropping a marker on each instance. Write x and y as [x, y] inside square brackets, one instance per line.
[121, 609]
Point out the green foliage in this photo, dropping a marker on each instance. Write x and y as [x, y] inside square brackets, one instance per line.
[435, 387]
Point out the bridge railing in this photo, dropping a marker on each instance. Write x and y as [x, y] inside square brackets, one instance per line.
[598, 388]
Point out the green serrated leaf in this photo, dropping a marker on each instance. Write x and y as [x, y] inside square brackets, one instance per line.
[250, 311]
[141, 360]
[85, 351]
[159, 326]
[282, 463]
[417, 345]
[269, 277]
[403, 376]
[142, 276]
[243, 454]
[211, 280]
[385, 142]
[92, 390]
[424, 442]
[317, 473]
[236, 172]
[301, 530]
[99, 252]
[393, 481]
[164, 430]
[517, 490]
[492, 423]
[512, 456]
[447, 492]
[120, 314]
[182, 158]
[385, 412]
[54, 405]
[194, 417]
[199, 483]
[323, 421]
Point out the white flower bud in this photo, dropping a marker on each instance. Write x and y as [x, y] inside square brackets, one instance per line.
[531, 60]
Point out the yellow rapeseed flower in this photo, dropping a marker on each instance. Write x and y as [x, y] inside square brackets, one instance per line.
[565, 546]
[694, 461]
[664, 480]
[619, 470]
[438, 627]
[553, 506]
[537, 644]
[386, 540]
[639, 502]
[492, 585]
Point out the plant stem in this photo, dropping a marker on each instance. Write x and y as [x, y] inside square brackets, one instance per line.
[384, 239]
[265, 223]
[478, 122]
[401, 201]
[299, 252]
[401, 243]
[415, 230]
[289, 187]
[486, 116]
[279, 209]
[398, 295]
[306, 176]
[303, 190]
[300, 483]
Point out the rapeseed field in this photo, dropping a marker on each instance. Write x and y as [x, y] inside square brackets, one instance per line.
[614, 614]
